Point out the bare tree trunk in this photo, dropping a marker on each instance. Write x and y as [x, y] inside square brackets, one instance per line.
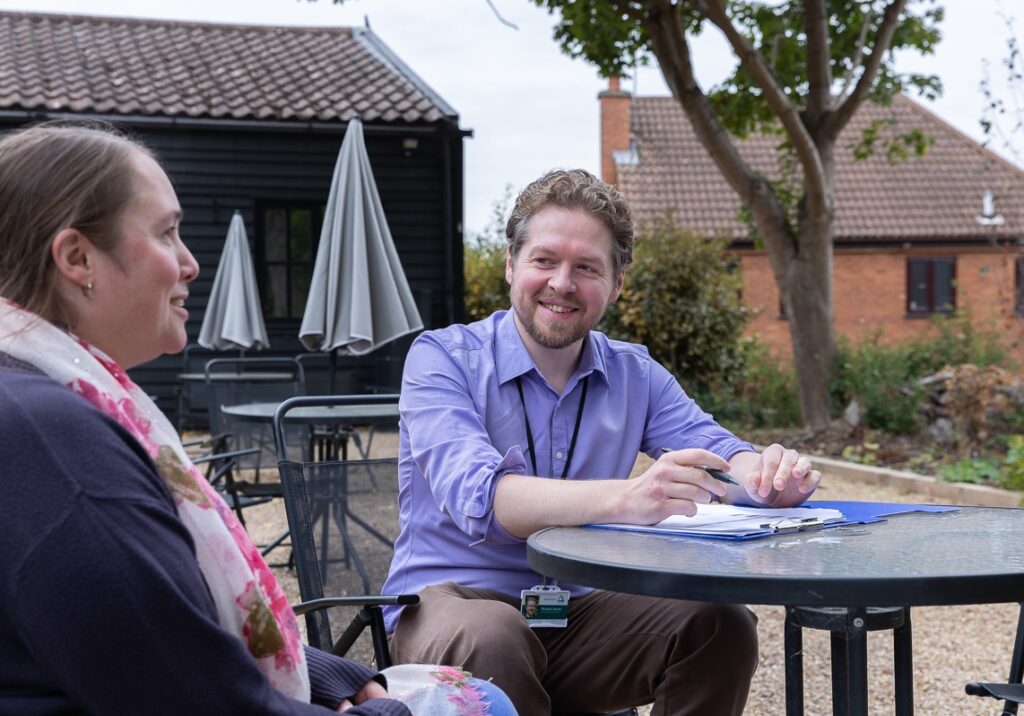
[807, 295]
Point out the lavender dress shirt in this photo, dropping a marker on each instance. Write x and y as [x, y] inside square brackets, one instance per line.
[462, 428]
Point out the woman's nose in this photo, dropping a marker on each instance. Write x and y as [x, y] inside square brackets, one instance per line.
[189, 265]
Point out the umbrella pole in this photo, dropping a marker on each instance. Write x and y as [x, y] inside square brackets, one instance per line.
[334, 365]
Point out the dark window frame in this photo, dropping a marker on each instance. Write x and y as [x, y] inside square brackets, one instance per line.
[263, 264]
[930, 262]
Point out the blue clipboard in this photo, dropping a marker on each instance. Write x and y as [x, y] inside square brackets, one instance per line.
[853, 513]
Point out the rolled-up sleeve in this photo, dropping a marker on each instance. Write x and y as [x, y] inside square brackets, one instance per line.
[448, 442]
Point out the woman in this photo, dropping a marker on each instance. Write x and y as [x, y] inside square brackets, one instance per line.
[126, 584]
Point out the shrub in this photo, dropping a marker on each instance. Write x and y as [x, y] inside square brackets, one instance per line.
[879, 377]
[682, 300]
[484, 265]
[884, 379]
[759, 393]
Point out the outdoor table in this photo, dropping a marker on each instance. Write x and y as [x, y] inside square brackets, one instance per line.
[974, 555]
[185, 379]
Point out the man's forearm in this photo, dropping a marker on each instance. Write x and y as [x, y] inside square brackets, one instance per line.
[523, 505]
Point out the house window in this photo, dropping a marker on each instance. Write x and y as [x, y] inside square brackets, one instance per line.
[1018, 294]
[931, 285]
[286, 251]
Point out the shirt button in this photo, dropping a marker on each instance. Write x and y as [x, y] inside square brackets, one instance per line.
[559, 454]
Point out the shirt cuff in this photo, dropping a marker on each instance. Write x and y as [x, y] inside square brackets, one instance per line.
[512, 463]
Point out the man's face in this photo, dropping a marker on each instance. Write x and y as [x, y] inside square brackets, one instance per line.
[563, 278]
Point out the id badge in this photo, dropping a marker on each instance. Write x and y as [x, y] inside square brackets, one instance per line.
[545, 606]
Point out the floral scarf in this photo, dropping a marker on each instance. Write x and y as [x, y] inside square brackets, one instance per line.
[249, 601]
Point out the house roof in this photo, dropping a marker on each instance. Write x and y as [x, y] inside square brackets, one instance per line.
[937, 197]
[117, 66]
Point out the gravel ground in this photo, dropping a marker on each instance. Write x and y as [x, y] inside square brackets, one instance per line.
[952, 645]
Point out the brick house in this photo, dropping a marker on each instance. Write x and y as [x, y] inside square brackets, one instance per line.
[912, 238]
[251, 118]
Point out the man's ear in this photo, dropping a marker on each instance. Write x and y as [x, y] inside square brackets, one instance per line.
[73, 255]
[619, 283]
[508, 267]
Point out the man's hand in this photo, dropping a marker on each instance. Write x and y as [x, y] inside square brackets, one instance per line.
[777, 477]
[372, 690]
[674, 485]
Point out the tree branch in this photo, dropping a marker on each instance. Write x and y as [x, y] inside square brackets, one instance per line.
[778, 102]
[883, 38]
[673, 53]
[500, 18]
[819, 67]
[858, 56]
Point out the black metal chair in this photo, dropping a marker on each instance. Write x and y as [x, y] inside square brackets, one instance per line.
[1012, 692]
[325, 500]
[191, 392]
[240, 381]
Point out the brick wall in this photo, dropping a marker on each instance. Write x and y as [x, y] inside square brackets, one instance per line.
[870, 295]
[615, 127]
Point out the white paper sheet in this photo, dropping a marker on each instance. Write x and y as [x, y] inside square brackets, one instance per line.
[731, 520]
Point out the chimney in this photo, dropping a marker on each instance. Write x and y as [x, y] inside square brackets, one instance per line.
[615, 130]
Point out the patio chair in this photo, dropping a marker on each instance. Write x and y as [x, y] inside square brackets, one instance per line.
[191, 391]
[240, 381]
[325, 501]
[1012, 692]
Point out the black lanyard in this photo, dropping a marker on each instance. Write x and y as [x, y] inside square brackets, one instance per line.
[575, 430]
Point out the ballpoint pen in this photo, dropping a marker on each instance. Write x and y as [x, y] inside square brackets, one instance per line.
[719, 475]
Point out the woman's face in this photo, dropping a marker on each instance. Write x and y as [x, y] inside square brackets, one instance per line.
[136, 309]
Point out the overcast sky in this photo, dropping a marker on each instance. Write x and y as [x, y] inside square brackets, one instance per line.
[530, 107]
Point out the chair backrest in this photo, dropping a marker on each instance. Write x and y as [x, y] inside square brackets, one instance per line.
[342, 513]
[192, 402]
[242, 381]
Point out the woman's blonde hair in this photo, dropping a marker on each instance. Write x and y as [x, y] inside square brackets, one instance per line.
[56, 176]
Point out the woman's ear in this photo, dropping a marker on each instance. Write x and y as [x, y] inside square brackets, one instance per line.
[72, 254]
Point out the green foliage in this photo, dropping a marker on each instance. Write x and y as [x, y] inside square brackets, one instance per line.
[973, 470]
[610, 34]
[879, 377]
[1012, 476]
[484, 265]
[1006, 471]
[681, 299]
[759, 393]
[884, 379]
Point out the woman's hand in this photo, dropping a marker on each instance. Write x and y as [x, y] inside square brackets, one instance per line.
[372, 690]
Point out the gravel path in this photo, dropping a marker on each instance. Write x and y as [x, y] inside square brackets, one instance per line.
[952, 645]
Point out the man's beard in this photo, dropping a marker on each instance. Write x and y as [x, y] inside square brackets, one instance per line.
[560, 337]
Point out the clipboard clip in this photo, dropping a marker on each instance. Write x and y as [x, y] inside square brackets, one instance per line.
[793, 525]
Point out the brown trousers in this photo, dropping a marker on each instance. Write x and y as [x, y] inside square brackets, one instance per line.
[619, 650]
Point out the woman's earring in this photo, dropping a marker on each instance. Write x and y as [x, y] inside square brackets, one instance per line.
[87, 289]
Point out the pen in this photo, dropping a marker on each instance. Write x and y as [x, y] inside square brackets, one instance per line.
[719, 475]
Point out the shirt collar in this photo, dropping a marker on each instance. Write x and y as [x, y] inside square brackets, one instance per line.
[513, 360]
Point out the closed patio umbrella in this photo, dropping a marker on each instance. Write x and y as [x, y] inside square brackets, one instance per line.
[234, 317]
[359, 298]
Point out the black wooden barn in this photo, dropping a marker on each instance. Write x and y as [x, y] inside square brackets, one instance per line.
[250, 118]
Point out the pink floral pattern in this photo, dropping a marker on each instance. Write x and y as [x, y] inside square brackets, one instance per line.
[248, 598]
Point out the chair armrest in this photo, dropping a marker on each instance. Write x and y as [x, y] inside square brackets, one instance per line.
[1003, 692]
[369, 615]
[357, 601]
[225, 455]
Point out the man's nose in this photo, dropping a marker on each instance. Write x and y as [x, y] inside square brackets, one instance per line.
[562, 280]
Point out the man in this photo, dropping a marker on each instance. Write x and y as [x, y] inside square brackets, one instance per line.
[530, 419]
